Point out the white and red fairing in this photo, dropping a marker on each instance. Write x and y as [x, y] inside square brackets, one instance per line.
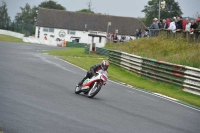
[102, 77]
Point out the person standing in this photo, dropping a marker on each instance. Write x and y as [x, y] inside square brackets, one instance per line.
[179, 24]
[188, 24]
[154, 27]
[164, 24]
[172, 26]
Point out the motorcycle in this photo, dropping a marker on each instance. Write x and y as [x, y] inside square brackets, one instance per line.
[92, 86]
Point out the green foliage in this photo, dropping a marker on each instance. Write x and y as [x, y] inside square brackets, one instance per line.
[170, 50]
[6, 38]
[27, 14]
[151, 10]
[4, 17]
[50, 4]
[144, 20]
[86, 11]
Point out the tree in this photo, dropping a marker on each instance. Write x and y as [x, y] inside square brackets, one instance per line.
[27, 14]
[51, 5]
[86, 11]
[4, 17]
[89, 10]
[151, 10]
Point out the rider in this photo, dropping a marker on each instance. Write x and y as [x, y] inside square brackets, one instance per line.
[103, 66]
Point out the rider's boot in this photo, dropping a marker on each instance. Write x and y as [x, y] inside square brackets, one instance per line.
[81, 82]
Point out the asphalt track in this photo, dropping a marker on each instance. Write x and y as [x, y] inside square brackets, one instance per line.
[37, 96]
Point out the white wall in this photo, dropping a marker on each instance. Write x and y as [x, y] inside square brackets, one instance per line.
[11, 33]
[84, 38]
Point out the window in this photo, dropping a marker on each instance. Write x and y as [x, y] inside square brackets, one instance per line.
[46, 29]
[51, 29]
[71, 32]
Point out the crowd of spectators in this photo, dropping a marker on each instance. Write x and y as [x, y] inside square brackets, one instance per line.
[176, 24]
[115, 38]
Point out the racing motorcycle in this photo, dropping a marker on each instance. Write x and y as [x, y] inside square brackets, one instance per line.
[92, 86]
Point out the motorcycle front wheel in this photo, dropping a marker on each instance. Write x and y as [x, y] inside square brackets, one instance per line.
[77, 90]
[95, 89]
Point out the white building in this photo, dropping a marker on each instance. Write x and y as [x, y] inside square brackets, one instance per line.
[75, 26]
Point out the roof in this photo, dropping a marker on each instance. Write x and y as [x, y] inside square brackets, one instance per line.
[77, 20]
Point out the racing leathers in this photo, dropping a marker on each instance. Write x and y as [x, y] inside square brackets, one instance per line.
[91, 73]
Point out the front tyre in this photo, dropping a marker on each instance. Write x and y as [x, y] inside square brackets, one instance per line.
[95, 89]
[77, 90]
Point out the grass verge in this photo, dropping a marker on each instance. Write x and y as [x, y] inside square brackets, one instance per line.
[78, 57]
[169, 50]
[6, 38]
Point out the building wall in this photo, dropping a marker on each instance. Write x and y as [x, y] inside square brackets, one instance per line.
[65, 34]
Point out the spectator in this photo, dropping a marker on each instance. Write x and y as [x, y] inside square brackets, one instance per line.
[183, 22]
[146, 33]
[188, 24]
[160, 23]
[168, 21]
[108, 37]
[155, 24]
[122, 39]
[179, 24]
[154, 27]
[172, 26]
[198, 32]
[136, 33]
[115, 38]
[164, 24]
[193, 26]
[139, 34]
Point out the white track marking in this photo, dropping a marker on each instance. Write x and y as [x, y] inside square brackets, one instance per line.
[153, 94]
[160, 95]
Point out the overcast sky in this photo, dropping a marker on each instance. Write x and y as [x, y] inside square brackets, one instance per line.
[130, 8]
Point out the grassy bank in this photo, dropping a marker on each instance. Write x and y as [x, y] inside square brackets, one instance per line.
[79, 58]
[6, 38]
[170, 50]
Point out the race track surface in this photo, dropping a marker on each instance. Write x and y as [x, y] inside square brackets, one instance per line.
[37, 96]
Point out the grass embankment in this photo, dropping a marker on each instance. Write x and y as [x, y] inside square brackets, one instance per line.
[79, 58]
[170, 50]
[6, 38]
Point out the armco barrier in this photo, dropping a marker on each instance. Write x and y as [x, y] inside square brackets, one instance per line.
[76, 44]
[102, 51]
[187, 78]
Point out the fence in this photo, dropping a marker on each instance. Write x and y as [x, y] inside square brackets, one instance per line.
[76, 44]
[102, 51]
[187, 78]
[177, 34]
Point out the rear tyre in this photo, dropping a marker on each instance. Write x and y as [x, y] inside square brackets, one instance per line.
[94, 91]
[77, 90]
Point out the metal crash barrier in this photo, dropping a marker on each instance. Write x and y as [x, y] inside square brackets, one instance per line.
[187, 78]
